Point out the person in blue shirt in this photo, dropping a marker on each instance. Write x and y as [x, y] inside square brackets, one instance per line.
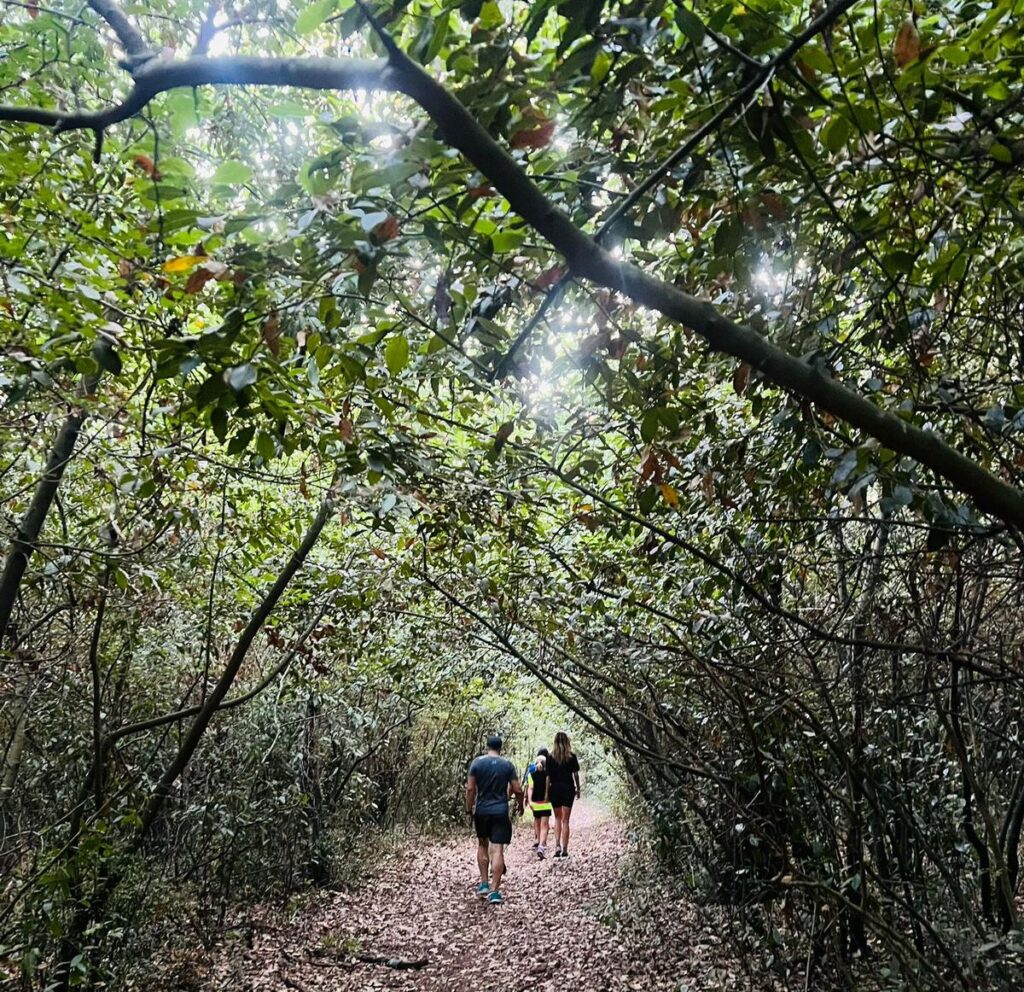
[491, 779]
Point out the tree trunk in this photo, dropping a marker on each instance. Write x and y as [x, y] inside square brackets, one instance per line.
[23, 544]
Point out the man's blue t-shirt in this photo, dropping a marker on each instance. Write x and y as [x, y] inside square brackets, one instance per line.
[493, 775]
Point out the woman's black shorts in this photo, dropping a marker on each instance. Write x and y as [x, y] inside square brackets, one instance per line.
[495, 827]
[563, 795]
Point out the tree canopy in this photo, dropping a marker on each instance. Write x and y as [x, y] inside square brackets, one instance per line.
[366, 365]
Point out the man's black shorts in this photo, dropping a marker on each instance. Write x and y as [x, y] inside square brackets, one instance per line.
[495, 827]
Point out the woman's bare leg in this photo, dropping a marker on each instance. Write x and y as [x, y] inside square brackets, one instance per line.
[559, 811]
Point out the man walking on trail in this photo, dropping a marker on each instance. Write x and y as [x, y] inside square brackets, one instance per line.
[491, 777]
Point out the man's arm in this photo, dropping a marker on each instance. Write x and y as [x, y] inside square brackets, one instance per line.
[529, 791]
[517, 791]
[470, 793]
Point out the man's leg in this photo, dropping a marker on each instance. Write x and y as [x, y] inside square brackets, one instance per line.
[545, 826]
[483, 858]
[497, 865]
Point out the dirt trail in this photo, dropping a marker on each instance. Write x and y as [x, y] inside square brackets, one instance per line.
[548, 935]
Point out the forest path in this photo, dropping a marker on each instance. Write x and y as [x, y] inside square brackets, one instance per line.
[547, 936]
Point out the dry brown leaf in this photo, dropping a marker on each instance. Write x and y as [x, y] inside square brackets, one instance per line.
[504, 433]
[649, 467]
[550, 277]
[741, 377]
[148, 166]
[386, 230]
[199, 278]
[272, 333]
[907, 46]
[537, 134]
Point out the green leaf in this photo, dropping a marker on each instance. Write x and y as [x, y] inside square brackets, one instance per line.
[438, 39]
[648, 499]
[231, 173]
[240, 376]
[387, 178]
[902, 495]
[506, 241]
[106, 357]
[810, 454]
[219, 422]
[728, 236]
[366, 280]
[1001, 153]
[241, 440]
[209, 391]
[396, 354]
[649, 426]
[490, 16]
[265, 446]
[311, 17]
[835, 133]
[690, 24]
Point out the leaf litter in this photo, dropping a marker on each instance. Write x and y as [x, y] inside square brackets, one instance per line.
[594, 922]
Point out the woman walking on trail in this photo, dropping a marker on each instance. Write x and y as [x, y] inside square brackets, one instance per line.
[564, 788]
[538, 799]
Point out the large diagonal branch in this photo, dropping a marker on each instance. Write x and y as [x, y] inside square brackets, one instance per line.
[131, 38]
[214, 702]
[585, 257]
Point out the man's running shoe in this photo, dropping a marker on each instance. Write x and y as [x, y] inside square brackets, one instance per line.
[540, 853]
[495, 899]
[482, 890]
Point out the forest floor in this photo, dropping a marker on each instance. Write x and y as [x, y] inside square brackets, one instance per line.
[575, 924]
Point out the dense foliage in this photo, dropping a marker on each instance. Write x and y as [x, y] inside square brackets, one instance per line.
[329, 441]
